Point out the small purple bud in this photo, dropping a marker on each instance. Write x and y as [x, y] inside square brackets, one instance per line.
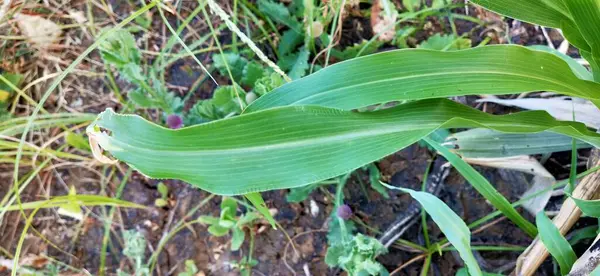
[174, 121]
[344, 211]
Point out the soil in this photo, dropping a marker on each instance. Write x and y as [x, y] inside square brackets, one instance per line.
[79, 242]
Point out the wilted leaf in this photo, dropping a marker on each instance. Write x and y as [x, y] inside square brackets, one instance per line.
[41, 32]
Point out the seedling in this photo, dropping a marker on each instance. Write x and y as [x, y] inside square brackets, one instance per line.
[135, 249]
[164, 195]
[120, 51]
[190, 269]
[229, 223]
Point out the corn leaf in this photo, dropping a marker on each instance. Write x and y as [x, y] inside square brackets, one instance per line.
[294, 146]
[545, 12]
[485, 143]
[413, 74]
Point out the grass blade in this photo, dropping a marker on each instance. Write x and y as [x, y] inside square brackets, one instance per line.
[556, 244]
[453, 227]
[484, 188]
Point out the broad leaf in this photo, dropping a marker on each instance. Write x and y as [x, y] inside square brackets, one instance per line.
[533, 11]
[453, 227]
[556, 244]
[307, 143]
[409, 75]
[586, 15]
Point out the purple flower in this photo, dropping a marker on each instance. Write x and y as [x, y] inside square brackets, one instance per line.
[174, 121]
[344, 211]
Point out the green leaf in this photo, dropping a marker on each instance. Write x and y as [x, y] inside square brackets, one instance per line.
[159, 202]
[586, 15]
[163, 190]
[253, 71]
[301, 193]
[352, 51]
[77, 141]
[335, 234]
[290, 40]
[485, 143]
[579, 70]
[447, 42]
[237, 239]
[217, 230]
[119, 49]
[582, 234]
[357, 256]
[484, 187]
[411, 5]
[572, 34]
[267, 83]
[234, 61]
[248, 218]
[531, 11]
[374, 176]
[279, 13]
[260, 205]
[300, 65]
[308, 143]
[139, 98]
[224, 103]
[208, 220]
[556, 244]
[453, 227]
[226, 223]
[407, 74]
[228, 208]
[588, 207]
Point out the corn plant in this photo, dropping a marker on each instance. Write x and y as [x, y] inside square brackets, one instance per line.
[307, 131]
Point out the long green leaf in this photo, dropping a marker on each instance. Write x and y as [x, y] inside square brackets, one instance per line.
[540, 12]
[412, 74]
[586, 15]
[453, 227]
[485, 143]
[556, 244]
[294, 146]
[484, 187]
